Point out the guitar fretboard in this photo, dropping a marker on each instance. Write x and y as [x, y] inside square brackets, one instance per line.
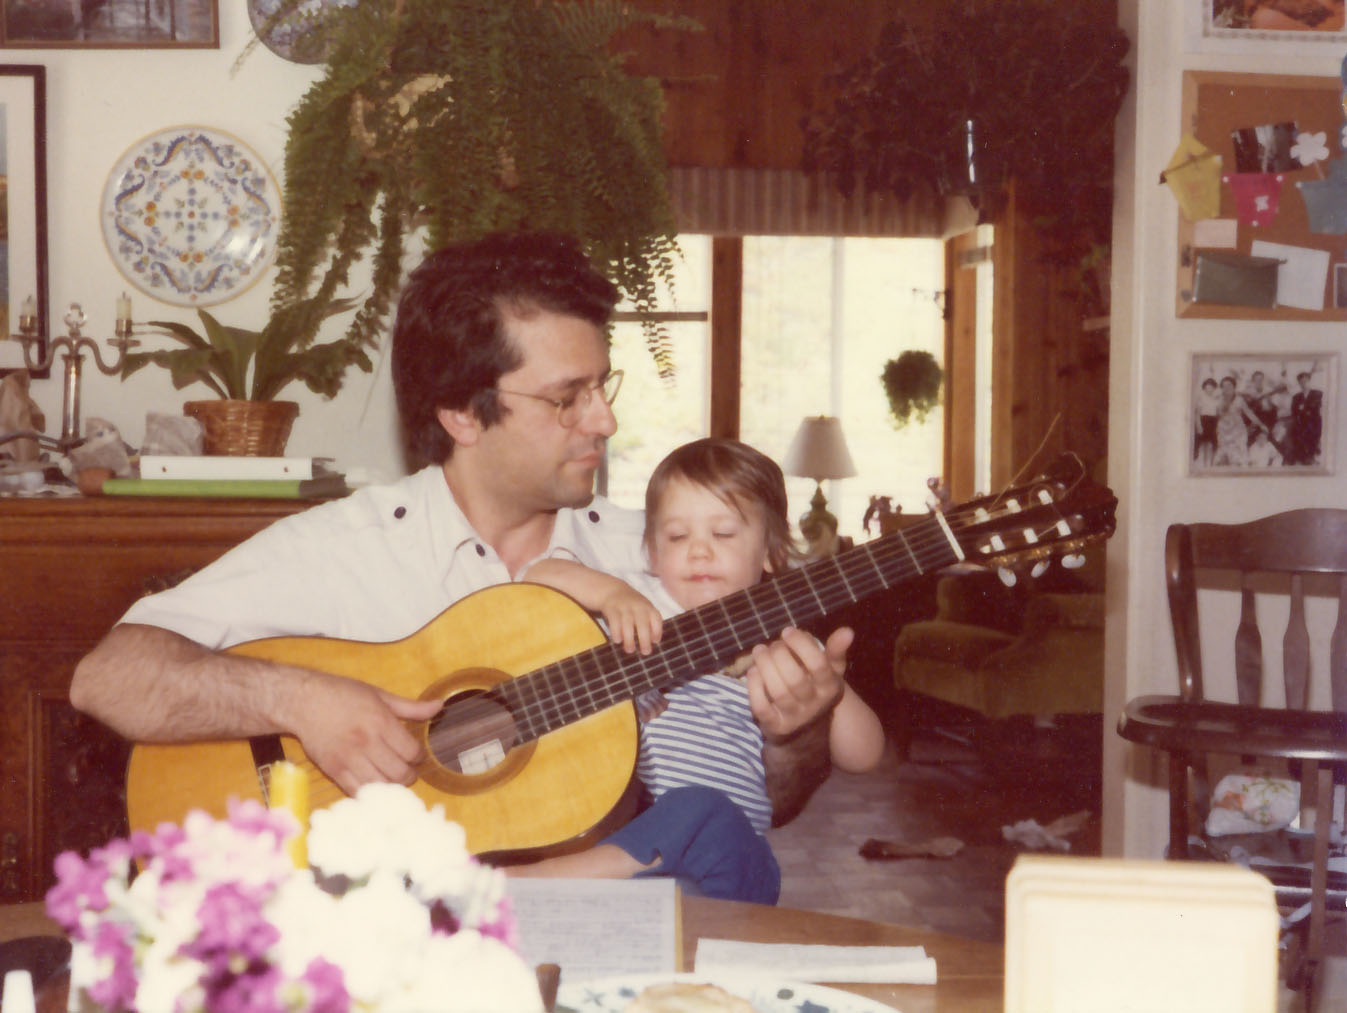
[705, 639]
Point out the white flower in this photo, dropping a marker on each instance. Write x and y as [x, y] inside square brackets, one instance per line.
[1310, 148]
[469, 973]
[385, 826]
[378, 937]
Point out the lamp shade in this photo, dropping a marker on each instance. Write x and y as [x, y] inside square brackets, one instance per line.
[819, 450]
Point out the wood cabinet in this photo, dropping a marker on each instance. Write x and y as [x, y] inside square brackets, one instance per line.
[69, 568]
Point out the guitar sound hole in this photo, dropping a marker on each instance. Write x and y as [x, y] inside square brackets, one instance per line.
[472, 733]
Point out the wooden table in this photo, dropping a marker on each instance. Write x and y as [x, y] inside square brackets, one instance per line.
[970, 972]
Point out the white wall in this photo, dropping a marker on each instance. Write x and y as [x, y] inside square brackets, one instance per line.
[1149, 436]
[99, 103]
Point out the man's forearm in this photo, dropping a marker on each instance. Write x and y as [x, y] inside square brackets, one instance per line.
[796, 766]
[151, 685]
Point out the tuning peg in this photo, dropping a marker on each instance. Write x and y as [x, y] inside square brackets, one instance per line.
[1073, 561]
[1007, 576]
[1039, 568]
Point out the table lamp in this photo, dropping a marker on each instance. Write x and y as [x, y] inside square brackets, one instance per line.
[819, 451]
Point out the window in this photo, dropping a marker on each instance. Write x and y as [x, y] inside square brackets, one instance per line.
[656, 415]
[821, 317]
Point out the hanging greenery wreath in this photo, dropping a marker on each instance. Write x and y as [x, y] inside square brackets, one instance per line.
[913, 383]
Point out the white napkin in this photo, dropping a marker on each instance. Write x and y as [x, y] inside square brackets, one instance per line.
[870, 964]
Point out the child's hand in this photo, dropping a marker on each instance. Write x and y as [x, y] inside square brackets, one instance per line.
[632, 620]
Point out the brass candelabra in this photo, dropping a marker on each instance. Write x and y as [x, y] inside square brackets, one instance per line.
[73, 345]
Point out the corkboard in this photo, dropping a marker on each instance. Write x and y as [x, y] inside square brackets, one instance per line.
[1214, 105]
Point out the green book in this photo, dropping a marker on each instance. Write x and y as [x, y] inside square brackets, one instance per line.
[280, 488]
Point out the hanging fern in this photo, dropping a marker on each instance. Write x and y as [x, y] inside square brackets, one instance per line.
[912, 383]
[462, 118]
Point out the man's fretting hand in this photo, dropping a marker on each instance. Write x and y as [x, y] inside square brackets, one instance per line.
[355, 732]
[794, 680]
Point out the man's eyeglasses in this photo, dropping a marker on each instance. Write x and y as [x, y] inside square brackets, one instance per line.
[571, 409]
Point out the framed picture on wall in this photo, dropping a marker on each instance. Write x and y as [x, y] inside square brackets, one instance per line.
[1262, 414]
[23, 207]
[110, 24]
[1263, 24]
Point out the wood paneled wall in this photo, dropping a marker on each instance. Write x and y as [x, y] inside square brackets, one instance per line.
[736, 94]
[1049, 369]
[737, 90]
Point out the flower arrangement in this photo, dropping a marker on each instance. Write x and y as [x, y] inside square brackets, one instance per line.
[392, 914]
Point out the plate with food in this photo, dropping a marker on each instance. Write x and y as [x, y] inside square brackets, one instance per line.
[691, 993]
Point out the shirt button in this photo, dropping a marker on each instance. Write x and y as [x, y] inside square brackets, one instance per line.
[481, 550]
[400, 512]
[594, 516]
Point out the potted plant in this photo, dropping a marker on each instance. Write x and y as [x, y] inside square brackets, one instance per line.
[247, 369]
[985, 92]
[912, 383]
[451, 119]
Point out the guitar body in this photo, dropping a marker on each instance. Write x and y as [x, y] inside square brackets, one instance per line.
[539, 796]
[536, 742]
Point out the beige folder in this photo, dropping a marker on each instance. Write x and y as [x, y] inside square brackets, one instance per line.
[1095, 934]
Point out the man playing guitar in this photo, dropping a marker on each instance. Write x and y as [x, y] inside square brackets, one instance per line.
[504, 387]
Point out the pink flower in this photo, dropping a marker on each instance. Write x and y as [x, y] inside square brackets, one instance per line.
[79, 887]
[232, 927]
[251, 817]
[254, 991]
[117, 990]
[327, 987]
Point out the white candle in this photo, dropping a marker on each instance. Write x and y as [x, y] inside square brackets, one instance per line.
[124, 307]
[29, 307]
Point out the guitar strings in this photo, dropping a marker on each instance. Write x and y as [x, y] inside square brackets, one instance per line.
[830, 586]
[558, 694]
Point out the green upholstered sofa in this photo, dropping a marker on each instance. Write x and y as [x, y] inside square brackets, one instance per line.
[1035, 650]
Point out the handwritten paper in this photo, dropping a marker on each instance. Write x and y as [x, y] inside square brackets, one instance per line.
[1302, 275]
[887, 964]
[598, 928]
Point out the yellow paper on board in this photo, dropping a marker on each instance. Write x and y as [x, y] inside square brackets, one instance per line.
[1194, 176]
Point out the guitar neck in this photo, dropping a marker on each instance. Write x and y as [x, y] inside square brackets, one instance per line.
[705, 639]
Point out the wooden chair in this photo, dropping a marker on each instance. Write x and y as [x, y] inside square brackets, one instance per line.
[1273, 554]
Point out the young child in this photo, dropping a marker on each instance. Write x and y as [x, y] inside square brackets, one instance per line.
[716, 523]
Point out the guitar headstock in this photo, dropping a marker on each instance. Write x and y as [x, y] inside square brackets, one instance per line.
[1056, 514]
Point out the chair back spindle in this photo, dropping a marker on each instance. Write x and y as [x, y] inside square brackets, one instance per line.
[1248, 649]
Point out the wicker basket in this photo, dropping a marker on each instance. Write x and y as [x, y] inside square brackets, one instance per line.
[244, 428]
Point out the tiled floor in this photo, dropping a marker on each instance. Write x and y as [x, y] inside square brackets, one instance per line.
[942, 790]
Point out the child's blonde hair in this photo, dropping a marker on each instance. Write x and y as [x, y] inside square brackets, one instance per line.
[737, 474]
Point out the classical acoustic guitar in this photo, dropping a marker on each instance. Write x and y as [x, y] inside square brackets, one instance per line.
[536, 742]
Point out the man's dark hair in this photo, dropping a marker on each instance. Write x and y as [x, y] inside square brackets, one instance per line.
[449, 342]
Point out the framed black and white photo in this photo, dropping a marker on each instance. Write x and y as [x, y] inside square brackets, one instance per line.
[23, 206]
[110, 24]
[1262, 414]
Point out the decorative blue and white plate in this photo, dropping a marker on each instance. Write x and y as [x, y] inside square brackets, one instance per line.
[190, 216]
[292, 36]
[613, 995]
